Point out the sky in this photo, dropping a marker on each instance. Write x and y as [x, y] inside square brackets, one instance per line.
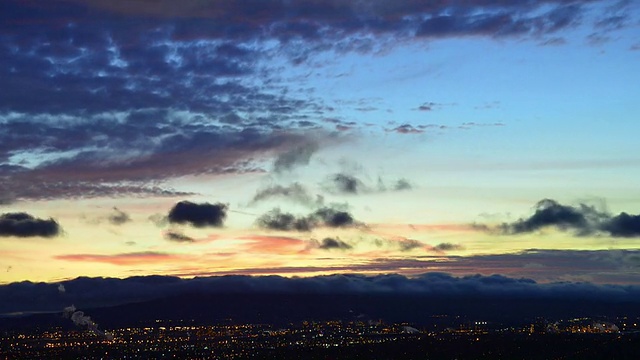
[305, 138]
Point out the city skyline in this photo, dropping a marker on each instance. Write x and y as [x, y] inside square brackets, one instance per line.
[306, 138]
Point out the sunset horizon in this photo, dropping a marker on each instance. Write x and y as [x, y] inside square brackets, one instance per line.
[306, 139]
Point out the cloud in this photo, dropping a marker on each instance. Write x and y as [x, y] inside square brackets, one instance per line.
[334, 218]
[108, 129]
[125, 259]
[419, 129]
[431, 106]
[331, 243]
[603, 266]
[582, 219]
[159, 220]
[427, 106]
[469, 125]
[198, 215]
[119, 217]
[297, 156]
[554, 41]
[177, 237]
[294, 192]
[508, 21]
[105, 155]
[143, 94]
[301, 20]
[275, 219]
[409, 244]
[25, 225]
[400, 243]
[344, 184]
[448, 247]
[611, 18]
[623, 225]
[124, 57]
[28, 296]
[263, 244]
[407, 129]
[402, 184]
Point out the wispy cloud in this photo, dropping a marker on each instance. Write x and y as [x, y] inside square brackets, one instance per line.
[133, 258]
[298, 156]
[119, 217]
[178, 237]
[264, 244]
[294, 192]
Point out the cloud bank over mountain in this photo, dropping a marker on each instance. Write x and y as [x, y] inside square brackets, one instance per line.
[91, 292]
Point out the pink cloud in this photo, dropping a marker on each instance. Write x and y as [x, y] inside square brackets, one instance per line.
[136, 258]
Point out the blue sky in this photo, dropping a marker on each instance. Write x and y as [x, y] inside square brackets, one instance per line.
[421, 132]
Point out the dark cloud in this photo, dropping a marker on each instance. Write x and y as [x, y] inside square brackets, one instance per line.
[334, 218]
[35, 185]
[448, 247]
[125, 104]
[277, 220]
[294, 192]
[109, 98]
[132, 57]
[428, 106]
[344, 184]
[601, 266]
[399, 185]
[143, 48]
[198, 215]
[109, 156]
[409, 244]
[402, 184]
[88, 292]
[324, 216]
[118, 217]
[177, 237]
[406, 129]
[25, 225]
[297, 156]
[303, 20]
[582, 219]
[331, 243]
[623, 225]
